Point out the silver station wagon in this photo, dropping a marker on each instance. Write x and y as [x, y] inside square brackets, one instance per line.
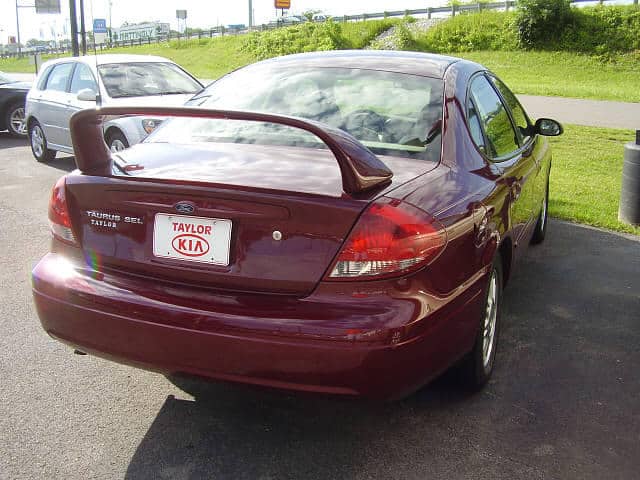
[67, 85]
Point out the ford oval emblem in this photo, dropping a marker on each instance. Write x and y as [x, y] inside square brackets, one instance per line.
[184, 207]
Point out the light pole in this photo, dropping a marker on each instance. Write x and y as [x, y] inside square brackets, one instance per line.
[110, 31]
[83, 33]
[250, 15]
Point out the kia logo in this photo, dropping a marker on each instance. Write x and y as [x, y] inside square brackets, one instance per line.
[184, 207]
[190, 245]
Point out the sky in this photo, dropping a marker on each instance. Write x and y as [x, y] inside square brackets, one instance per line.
[200, 13]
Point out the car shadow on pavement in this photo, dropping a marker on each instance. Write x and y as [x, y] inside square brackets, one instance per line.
[63, 162]
[66, 163]
[562, 402]
[9, 141]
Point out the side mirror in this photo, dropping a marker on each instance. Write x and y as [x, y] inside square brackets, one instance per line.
[548, 127]
[87, 95]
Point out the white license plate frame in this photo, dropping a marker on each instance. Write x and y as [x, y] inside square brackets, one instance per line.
[187, 238]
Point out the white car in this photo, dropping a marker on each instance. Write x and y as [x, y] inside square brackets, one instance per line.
[66, 85]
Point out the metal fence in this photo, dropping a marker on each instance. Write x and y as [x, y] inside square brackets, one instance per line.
[449, 10]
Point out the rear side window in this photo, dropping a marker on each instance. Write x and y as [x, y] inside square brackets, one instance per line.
[82, 78]
[59, 77]
[475, 128]
[519, 116]
[43, 78]
[501, 136]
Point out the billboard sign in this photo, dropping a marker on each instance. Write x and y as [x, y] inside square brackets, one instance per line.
[181, 14]
[47, 6]
[283, 4]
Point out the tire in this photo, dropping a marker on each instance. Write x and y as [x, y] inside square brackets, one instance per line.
[541, 226]
[116, 141]
[477, 366]
[15, 120]
[38, 143]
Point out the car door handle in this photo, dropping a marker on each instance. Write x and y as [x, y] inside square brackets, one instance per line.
[480, 223]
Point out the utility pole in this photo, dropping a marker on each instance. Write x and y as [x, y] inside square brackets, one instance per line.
[110, 31]
[83, 33]
[18, 29]
[250, 15]
[74, 28]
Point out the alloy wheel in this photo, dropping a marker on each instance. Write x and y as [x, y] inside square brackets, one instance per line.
[117, 145]
[543, 217]
[37, 141]
[490, 320]
[17, 121]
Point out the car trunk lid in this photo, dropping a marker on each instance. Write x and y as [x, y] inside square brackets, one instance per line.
[227, 216]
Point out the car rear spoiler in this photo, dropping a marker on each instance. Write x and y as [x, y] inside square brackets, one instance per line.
[361, 170]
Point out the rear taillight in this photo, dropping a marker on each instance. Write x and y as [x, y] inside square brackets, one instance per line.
[391, 237]
[59, 213]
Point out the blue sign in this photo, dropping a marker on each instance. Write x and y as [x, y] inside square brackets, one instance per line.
[99, 25]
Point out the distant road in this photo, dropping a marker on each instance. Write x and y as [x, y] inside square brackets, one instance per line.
[594, 113]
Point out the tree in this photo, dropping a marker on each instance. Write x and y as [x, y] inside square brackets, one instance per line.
[34, 42]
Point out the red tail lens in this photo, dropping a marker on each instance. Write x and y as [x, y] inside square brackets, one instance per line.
[391, 237]
[59, 213]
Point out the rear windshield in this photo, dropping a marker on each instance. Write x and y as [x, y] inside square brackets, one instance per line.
[391, 113]
[143, 79]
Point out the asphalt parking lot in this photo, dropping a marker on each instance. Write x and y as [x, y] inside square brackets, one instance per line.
[564, 401]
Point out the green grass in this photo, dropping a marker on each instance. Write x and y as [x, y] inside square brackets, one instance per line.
[565, 74]
[586, 176]
[205, 58]
[562, 74]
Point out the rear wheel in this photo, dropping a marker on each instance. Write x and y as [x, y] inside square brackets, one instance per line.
[477, 367]
[541, 227]
[116, 141]
[15, 120]
[39, 144]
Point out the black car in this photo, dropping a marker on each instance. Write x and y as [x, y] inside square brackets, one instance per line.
[12, 98]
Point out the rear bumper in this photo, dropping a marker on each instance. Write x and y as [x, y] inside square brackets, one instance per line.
[378, 342]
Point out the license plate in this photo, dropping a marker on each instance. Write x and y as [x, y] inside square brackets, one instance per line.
[193, 239]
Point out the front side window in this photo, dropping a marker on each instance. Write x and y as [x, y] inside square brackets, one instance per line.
[83, 79]
[501, 137]
[59, 77]
[519, 116]
[390, 113]
[142, 79]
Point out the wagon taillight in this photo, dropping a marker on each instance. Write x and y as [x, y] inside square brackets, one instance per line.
[59, 219]
[391, 237]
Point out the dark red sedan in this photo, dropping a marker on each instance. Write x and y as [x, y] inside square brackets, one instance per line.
[336, 222]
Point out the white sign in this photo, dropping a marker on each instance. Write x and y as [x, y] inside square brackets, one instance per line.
[47, 6]
[194, 239]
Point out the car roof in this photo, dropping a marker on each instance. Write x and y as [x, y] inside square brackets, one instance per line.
[414, 63]
[93, 60]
